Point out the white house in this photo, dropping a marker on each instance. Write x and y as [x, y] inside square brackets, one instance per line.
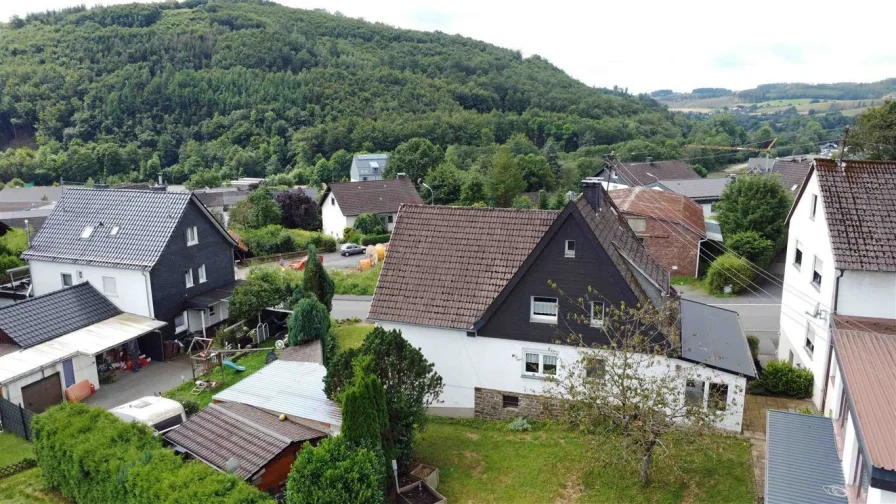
[343, 202]
[368, 167]
[470, 288]
[841, 259]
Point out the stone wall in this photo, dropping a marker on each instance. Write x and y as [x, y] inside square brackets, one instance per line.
[490, 404]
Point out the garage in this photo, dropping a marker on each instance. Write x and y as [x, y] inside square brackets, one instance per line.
[42, 394]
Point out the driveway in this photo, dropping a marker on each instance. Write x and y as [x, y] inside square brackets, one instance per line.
[153, 379]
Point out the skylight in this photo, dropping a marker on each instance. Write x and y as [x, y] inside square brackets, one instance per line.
[114, 231]
[87, 232]
[374, 164]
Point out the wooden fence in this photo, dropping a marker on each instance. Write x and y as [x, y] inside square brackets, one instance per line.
[15, 419]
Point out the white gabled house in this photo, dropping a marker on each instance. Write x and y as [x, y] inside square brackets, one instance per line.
[343, 202]
[841, 259]
[469, 287]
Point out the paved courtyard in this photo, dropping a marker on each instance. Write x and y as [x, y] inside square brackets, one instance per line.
[153, 379]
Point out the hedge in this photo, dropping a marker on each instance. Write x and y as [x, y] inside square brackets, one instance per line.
[93, 457]
[781, 378]
[374, 239]
[728, 269]
[276, 239]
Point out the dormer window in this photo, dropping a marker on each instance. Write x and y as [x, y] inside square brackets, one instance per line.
[192, 236]
[114, 231]
[570, 248]
[85, 234]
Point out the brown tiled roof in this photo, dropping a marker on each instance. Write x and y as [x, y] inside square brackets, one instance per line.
[377, 196]
[661, 205]
[636, 174]
[447, 264]
[859, 203]
[792, 171]
[306, 352]
[868, 361]
[293, 431]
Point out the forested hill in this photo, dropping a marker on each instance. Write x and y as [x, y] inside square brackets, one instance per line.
[253, 89]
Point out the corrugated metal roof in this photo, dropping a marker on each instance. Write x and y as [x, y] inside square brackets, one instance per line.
[802, 465]
[293, 388]
[868, 361]
[89, 340]
[714, 336]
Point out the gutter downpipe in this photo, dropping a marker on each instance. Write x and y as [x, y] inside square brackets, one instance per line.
[152, 311]
[827, 369]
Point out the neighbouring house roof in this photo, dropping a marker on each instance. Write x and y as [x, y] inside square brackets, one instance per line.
[35, 218]
[793, 172]
[714, 336]
[696, 189]
[212, 297]
[468, 264]
[801, 460]
[293, 388]
[43, 318]
[293, 431]
[364, 163]
[145, 222]
[638, 174]
[35, 194]
[670, 207]
[220, 433]
[376, 196]
[306, 352]
[868, 364]
[859, 202]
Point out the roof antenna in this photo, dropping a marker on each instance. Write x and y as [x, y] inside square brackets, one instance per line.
[840, 164]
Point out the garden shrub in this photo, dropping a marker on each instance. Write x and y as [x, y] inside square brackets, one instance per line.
[91, 456]
[781, 378]
[751, 246]
[305, 239]
[520, 424]
[369, 224]
[374, 239]
[335, 472]
[309, 321]
[753, 341]
[276, 239]
[191, 406]
[728, 269]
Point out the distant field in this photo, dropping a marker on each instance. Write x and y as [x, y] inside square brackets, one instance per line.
[802, 105]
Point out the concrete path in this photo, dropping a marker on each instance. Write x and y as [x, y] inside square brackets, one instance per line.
[153, 379]
[346, 307]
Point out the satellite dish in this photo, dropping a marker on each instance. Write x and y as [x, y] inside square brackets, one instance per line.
[232, 465]
[280, 344]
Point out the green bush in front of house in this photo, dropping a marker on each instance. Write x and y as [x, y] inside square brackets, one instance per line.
[728, 270]
[334, 472]
[91, 456]
[374, 239]
[781, 378]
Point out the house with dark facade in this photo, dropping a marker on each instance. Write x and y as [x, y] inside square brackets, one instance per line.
[151, 253]
[670, 226]
[647, 172]
[470, 288]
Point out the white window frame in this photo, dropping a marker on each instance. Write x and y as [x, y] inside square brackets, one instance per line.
[188, 277]
[570, 251]
[181, 328]
[639, 220]
[543, 357]
[810, 340]
[113, 292]
[71, 279]
[817, 269]
[603, 314]
[201, 273]
[192, 236]
[541, 318]
[798, 253]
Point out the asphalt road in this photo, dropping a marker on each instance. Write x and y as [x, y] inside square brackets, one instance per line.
[346, 307]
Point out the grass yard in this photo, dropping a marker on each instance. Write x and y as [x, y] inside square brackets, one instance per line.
[27, 487]
[252, 362]
[358, 283]
[351, 335]
[482, 461]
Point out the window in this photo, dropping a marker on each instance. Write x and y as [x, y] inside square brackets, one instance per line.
[180, 322]
[383, 219]
[114, 231]
[532, 362]
[693, 393]
[638, 224]
[67, 280]
[192, 236]
[798, 255]
[595, 368]
[188, 277]
[85, 234]
[537, 363]
[109, 286]
[390, 219]
[790, 356]
[549, 364]
[201, 271]
[641, 240]
[332, 201]
[813, 207]
[597, 314]
[816, 272]
[718, 396]
[544, 309]
[810, 339]
[364, 179]
[510, 401]
[211, 311]
[570, 248]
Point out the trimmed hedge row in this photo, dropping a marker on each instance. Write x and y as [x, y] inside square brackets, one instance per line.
[781, 378]
[275, 239]
[374, 239]
[93, 457]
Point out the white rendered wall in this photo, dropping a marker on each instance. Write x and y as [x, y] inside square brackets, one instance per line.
[333, 220]
[465, 363]
[878, 496]
[83, 365]
[867, 294]
[133, 296]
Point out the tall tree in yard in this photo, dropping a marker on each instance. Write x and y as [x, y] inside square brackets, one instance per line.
[754, 203]
[415, 157]
[875, 132]
[298, 210]
[309, 321]
[631, 387]
[505, 180]
[365, 419]
[316, 279]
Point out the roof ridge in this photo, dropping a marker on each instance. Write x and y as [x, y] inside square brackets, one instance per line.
[250, 423]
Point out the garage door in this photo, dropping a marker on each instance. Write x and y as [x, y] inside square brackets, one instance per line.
[42, 394]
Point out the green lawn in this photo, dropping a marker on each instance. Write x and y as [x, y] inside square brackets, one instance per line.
[252, 362]
[481, 461]
[27, 486]
[352, 335]
[13, 448]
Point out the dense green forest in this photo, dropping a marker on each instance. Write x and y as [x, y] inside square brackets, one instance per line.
[836, 91]
[204, 91]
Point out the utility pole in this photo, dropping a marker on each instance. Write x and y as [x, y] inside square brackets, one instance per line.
[843, 147]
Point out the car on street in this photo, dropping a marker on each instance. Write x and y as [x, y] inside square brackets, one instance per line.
[351, 249]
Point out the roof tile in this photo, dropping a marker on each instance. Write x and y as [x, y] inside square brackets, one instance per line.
[377, 196]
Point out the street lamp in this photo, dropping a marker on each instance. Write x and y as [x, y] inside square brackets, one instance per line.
[432, 194]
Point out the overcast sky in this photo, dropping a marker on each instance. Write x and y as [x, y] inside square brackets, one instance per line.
[649, 45]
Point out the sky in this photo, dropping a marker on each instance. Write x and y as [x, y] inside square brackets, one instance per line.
[648, 45]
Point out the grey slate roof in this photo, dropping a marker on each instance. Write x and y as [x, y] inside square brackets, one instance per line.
[801, 460]
[36, 194]
[43, 318]
[697, 189]
[145, 221]
[713, 336]
[363, 165]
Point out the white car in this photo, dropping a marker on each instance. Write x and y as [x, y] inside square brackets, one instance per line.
[160, 413]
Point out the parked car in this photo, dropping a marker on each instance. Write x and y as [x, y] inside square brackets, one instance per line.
[160, 413]
[351, 249]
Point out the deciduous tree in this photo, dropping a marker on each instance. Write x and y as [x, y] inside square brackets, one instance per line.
[754, 203]
[415, 157]
[298, 210]
[505, 180]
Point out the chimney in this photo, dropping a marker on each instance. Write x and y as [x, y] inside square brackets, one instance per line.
[592, 191]
[401, 175]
